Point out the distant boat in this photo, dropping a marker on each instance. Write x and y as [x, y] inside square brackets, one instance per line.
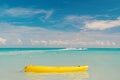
[75, 49]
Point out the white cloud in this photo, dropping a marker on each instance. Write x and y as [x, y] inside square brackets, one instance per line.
[76, 21]
[19, 41]
[105, 43]
[77, 18]
[9, 28]
[102, 24]
[58, 42]
[113, 9]
[27, 36]
[19, 12]
[72, 22]
[72, 43]
[48, 14]
[2, 40]
[27, 12]
[38, 42]
[89, 23]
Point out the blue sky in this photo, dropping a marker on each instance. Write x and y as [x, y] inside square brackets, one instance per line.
[59, 23]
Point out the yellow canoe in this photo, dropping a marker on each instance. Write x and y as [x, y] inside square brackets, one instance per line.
[55, 69]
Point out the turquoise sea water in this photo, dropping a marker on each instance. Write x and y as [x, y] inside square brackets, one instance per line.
[103, 63]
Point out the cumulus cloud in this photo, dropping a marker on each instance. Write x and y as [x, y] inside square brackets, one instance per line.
[2, 40]
[19, 41]
[18, 35]
[58, 42]
[39, 37]
[9, 28]
[83, 23]
[103, 42]
[72, 43]
[102, 24]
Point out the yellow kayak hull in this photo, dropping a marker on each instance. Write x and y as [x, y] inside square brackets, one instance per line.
[55, 69]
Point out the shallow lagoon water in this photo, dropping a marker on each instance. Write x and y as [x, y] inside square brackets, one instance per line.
[103, 63]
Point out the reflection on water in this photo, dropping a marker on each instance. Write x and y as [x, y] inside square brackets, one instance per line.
[57, 76]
